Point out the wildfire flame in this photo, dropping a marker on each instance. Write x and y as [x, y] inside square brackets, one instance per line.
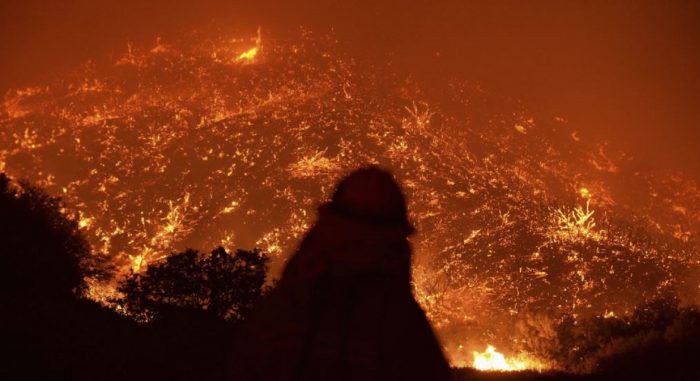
[492, 360]
[137, 262]
[250, 54]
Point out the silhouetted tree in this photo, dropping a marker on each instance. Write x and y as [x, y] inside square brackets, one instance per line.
[223, 285]
[48, 330]
[40, 248]
[189, 302]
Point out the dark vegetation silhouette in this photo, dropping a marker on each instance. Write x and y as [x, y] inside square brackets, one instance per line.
[225, 286]
[659, 340]
[42, 249]
[184, 313]
[48, 330]
[192, 302]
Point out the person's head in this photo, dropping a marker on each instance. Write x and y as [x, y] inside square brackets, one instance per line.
[371, 194]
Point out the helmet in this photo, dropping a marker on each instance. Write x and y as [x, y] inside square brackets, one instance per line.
[371, 193]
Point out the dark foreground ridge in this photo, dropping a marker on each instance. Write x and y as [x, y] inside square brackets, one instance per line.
[475, 375]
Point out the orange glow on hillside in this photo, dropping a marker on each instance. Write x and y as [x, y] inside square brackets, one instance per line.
[185, 144]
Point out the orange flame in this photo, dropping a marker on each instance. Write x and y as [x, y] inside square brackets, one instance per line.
[492, 360]
[249, 55]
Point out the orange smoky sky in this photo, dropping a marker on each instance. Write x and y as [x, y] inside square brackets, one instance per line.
[626, 71]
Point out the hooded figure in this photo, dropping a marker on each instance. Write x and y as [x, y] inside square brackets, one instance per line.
[343, 309]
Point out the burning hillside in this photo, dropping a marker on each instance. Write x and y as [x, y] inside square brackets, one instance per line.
[235, 141]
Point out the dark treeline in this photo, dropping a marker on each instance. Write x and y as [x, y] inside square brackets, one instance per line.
[179, 317]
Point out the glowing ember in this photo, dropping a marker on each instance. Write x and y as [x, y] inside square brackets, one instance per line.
[584, 192]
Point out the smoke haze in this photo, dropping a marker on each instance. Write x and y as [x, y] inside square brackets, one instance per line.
[627, 71]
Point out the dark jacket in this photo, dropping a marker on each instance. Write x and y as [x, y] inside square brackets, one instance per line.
[343, 310]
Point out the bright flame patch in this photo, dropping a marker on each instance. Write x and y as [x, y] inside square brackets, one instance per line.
[249, 55]
[492, 360]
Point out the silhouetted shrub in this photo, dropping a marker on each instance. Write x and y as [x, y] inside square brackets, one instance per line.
[220, 284]
[662, 342]
[658, 339]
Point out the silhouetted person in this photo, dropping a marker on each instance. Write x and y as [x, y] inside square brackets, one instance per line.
[343, 309]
